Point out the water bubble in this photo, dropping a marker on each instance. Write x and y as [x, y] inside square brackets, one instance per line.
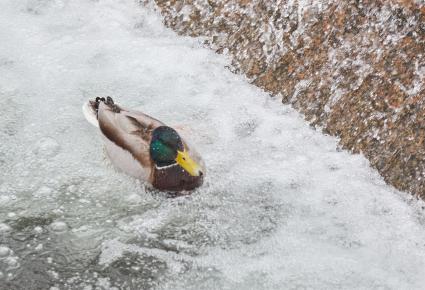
[53, 274]
[38, 230]
[47, 147]
[59, 226]
[4, 251]
[4, 199]
[4, 228]
[83, 200]
[134, 198]
[72, 189]
[43, 192]
[12, 261]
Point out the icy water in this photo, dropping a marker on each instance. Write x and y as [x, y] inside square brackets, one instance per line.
[281, 208]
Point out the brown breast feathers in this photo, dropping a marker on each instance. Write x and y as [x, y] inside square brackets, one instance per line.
[175, 178]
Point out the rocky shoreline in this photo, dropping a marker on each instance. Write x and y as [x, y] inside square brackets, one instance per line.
[355, 69]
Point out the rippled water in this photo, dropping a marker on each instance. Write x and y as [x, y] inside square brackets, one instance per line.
[282, 207]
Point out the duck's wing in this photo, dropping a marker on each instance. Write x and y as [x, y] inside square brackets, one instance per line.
[129, 130]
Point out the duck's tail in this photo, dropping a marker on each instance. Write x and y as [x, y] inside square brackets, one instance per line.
[90, 112]
[91, 107]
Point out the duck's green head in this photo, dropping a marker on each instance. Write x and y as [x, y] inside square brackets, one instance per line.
[166, 148]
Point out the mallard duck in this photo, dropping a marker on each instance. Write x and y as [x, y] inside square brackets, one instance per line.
[145, 147]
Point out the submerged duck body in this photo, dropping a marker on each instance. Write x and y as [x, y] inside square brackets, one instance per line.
[146, 148]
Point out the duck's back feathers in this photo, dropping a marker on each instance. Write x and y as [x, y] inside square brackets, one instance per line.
[127, 131]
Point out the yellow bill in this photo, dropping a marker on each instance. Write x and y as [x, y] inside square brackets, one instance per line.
[188, 164]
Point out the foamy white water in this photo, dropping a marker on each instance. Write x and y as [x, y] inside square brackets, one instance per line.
[281, 208]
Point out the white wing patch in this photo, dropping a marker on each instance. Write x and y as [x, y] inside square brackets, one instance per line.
[90, 114]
